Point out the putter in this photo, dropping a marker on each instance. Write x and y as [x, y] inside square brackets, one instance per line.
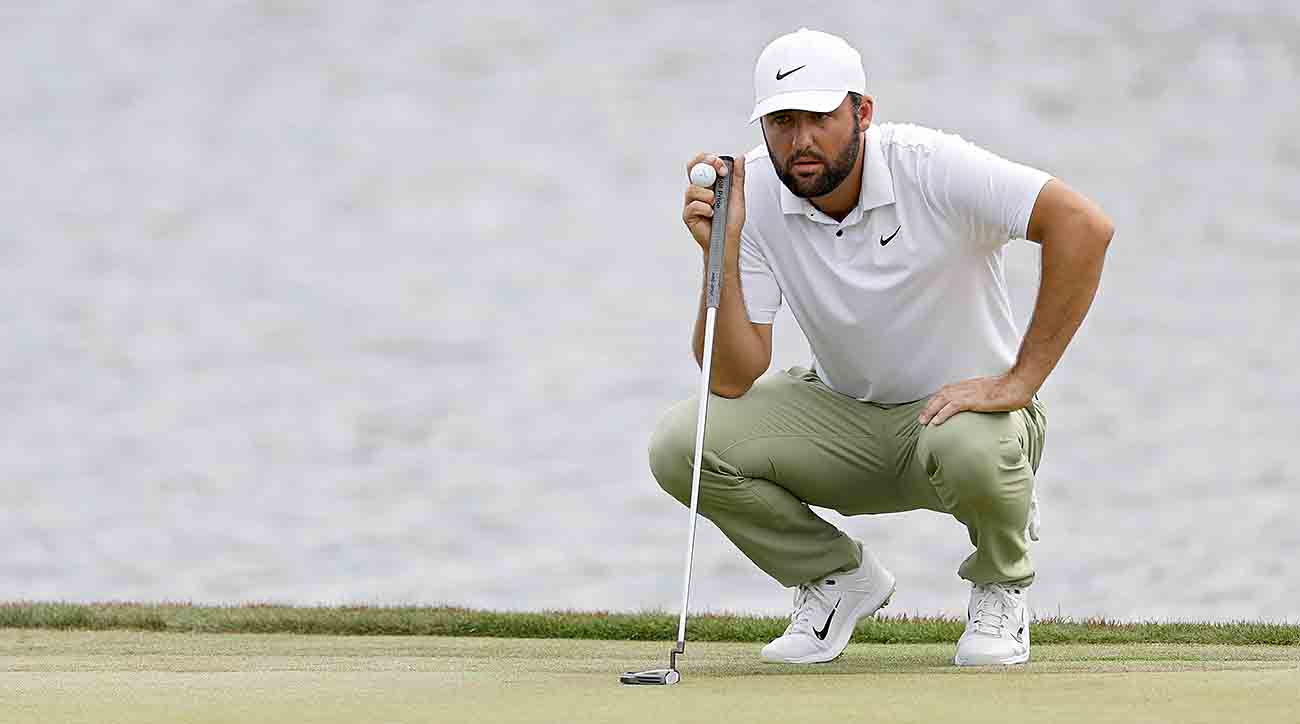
[717, 246]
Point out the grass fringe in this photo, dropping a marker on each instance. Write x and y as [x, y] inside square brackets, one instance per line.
[642, 626]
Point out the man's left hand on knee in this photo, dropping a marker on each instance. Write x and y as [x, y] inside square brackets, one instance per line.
[1001, 393]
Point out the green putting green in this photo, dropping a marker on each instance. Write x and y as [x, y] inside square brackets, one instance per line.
[129, 676]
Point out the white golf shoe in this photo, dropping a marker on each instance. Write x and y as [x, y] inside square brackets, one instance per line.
[997, 627]
[826, 610]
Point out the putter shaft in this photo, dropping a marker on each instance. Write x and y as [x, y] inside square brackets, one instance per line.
[717, 247]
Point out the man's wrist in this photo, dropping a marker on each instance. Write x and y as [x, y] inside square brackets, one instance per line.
[730, 258]
[1023, 382]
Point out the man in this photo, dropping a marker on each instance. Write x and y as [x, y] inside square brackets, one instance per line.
[886, 242]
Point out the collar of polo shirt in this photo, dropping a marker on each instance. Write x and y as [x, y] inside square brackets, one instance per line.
[877, 185]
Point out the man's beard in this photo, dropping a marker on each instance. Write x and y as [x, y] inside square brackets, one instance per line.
[833, 172]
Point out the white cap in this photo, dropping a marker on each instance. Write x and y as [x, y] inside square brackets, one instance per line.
[807, 70]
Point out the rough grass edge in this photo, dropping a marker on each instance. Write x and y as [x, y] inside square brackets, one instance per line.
[640, 626]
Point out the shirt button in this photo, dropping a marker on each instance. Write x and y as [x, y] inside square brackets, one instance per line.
[840, 232]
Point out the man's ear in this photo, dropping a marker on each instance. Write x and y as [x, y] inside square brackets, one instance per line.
[866, 111]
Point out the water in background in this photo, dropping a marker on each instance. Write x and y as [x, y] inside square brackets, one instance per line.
[325, 303]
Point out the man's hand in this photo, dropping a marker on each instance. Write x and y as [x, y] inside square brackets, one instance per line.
[1002, 393]
[697, 211]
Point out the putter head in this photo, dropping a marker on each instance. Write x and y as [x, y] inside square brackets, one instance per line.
[651, 677]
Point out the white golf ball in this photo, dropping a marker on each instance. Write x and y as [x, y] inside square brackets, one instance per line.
[703, 174]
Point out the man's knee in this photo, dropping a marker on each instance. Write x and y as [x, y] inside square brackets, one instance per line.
[672, 451]
[976, 457]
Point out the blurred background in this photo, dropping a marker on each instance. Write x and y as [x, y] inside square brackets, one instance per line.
[335, 302]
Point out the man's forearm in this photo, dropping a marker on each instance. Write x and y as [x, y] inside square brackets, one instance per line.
[1071, 271]
[737, 350]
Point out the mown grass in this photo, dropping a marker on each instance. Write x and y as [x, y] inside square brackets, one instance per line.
[644, 626]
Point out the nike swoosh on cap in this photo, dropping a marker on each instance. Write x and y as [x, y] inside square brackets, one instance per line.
[780, 75]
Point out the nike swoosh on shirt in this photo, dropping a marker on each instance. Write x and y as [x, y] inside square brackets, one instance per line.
[780, 75]
[884, 241]
[822, 634]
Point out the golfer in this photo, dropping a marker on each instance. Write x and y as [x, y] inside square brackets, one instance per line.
[886, 241]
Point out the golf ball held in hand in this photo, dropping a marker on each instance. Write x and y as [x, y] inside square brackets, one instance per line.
[703, 174]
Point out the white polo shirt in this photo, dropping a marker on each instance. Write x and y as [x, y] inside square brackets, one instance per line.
[908, 293]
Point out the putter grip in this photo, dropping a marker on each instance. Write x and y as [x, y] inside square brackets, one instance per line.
[718, 235]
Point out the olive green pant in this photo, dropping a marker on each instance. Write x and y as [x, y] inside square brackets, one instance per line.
[791, 442]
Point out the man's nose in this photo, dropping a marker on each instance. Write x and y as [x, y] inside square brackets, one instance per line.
[803, 136]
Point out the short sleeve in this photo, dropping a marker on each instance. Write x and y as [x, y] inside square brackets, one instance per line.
[757, 282]
[994, 196]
